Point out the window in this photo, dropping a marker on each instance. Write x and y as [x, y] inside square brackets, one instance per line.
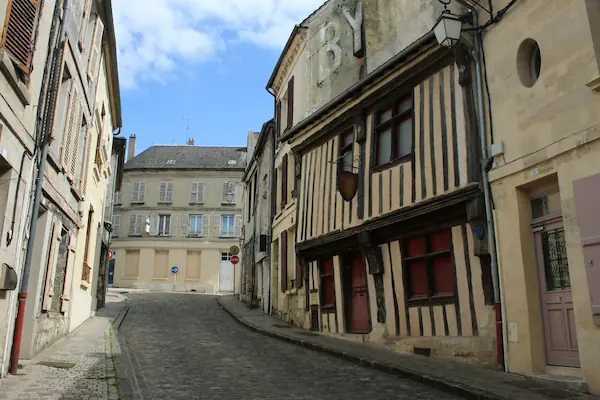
[171, 162]
[290, 103]
[116, 225]
[394, 132]
[229, 192]
[139, 192]
[166, 192]
[84, 158]
[278, 119]
[347, 152]
[117, 198]
[164, 225]
[429, 267]
[529, 62]
[327, 291]
[284, 181]
[196, 225]
[197, 193]
[136, 223]
[225, 256]
[19, 34]
[228, 225]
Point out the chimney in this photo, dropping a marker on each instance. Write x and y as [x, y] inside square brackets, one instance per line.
[131, 148]
[191, 142]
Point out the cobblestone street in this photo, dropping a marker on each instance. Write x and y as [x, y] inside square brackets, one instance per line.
[186, 347]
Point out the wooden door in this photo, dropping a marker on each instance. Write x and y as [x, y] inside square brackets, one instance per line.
[555, 291]
[360, 321]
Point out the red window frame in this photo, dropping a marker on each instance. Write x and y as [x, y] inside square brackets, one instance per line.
[393, 123]
[429, 268]
[327, 288]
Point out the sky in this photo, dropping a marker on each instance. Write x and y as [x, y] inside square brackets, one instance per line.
[200, 66]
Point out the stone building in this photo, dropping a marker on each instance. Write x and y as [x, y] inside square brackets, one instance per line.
[70, 84]
[381, 183]
[255, 287]
[545, 101]
[179, 206]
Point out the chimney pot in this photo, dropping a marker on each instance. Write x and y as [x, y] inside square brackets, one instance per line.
[191, 142]
[131, 147]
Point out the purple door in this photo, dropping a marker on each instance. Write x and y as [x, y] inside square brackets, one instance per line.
[360, 321]
[555, 291]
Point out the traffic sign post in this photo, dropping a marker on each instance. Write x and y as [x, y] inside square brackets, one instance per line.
[234, 250]
[174, 271]
[235, 260]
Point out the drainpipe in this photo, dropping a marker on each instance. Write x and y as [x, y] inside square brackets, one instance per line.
[271, 213]
[486, 186]
[45, 126]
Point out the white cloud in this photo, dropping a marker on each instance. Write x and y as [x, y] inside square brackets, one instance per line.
[157, 37]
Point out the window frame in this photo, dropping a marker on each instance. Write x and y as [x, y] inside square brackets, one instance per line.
[223, 232]
[432, 298]
[166, 218]
[329, 277]
[197, 217]
[393, 123]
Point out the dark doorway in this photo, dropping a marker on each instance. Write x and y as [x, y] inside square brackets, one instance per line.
[356, 294]
[111, 272]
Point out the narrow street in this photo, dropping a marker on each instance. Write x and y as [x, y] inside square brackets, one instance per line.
[186, 347]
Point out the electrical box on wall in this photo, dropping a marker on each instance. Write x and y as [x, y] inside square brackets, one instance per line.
[8, 277]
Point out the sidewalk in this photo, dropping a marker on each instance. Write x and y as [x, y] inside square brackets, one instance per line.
[467, 381]
[83, 362]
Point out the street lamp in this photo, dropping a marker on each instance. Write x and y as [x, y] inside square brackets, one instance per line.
[447, 29]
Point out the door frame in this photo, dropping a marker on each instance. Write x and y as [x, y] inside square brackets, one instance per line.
[346, 265]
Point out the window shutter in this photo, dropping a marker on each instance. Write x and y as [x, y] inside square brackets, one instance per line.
[76, 137]
[278, 119]
[185, 225]
[284, 257]
[163, 192]
[139, 224]
[117, 198]
[217, 218]
[142, 192]
[298, 273]
[51, 270]
[173, 227]
[200, 192]
[194, 193]
[206, 225]
[169, 192]
[19, 32]
[225, 190]
[238, 225]
[297, 174]
[232, 188]
[290, 103]
[66, 295]
[95, 51]
[86, 162]
[136, 192]
[132, 224]
[69, 128]
[284, 181]
[87, 5]
[116, 222]
[274, 194]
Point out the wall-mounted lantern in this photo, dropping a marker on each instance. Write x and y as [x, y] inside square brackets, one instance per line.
[448, 27]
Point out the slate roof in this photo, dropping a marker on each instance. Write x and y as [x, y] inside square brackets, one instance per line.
[189, 157]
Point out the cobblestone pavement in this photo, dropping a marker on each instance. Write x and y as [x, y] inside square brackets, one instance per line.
[186, 347]
[92, 377]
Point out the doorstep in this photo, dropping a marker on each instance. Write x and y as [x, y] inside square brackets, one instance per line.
[464, 380]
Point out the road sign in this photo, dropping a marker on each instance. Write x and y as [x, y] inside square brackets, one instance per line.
[111, 254]
[235, 260]
[174, 269]
[234, 250]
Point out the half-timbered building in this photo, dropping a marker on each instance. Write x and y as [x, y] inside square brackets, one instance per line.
[390, 220]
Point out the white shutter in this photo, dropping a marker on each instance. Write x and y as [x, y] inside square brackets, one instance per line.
[132, 224]
[116, 222]
[200, 192]
[142, 192]
[139, 224]
[232, 191]
[154, 225]
[185, 224]
[136, 192]
[225, 189]
[66, 295]
[86, 161]
[163, 192]
[194, 193]
[173, 227]
[117, 198]
[51, 270]
[87, 5]
[169, 192]
[238, 226]
[95, 51]
[217, 224]
[206, 225]
[69, 130]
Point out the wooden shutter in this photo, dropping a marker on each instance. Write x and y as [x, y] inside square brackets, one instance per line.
[169, 192]
[163, 192]
[225, 189]
[217, 218]
[205, 226]
[87, 6]
[278, 119]
[116, 222]
[200, 192]
[173, 227]
[274, 194]
[142, 191]
[86, 161]
[194, 193]
[185, 224]
[290, 103]
[19, 32]
[132, 223]
[117, 198]
[297, 174]
[136, 192]
[74, 158]
[70, 133]
[284, 258]
[298, 273]
[284, 181]
[51, 270]
[139, 223]
[66, 295]
[238, 225]
[95, 51]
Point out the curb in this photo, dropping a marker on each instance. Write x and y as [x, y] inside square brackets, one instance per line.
[121, 358]
[451, 387]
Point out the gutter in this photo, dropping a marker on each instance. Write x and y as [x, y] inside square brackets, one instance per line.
[282, 56]
[110, 55]
[360, 85]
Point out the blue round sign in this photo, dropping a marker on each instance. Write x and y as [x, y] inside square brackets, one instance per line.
[174, 269]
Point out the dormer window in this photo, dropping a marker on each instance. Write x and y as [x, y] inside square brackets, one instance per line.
[171, 162]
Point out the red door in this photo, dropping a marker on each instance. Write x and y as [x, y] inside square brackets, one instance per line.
[360, 321]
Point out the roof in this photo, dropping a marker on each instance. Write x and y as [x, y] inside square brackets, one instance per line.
[190, 157]
[110, 51]
[265, 132]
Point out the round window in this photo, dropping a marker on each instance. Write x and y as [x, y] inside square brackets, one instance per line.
[529, 62]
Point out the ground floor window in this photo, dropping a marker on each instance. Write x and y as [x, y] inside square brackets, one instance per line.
[225, 256]
[429, 267]
[327, 288]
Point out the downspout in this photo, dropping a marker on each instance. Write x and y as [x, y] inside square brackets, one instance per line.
[45, 130]
[486, 186]
[270, 213]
